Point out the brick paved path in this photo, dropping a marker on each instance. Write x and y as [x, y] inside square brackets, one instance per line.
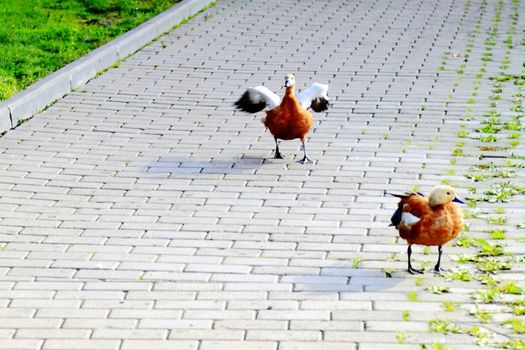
[142, 212]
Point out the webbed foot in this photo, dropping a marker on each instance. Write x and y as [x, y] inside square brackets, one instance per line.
[278, 155]
[413, 271]
[304, 160]
[438, 270]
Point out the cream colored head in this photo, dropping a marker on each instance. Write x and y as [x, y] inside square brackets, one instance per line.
[289, 80]
[442, 194]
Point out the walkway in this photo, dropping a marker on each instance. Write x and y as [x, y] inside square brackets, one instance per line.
[143, 212]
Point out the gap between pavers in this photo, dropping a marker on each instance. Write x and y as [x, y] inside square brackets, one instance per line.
[44, 92]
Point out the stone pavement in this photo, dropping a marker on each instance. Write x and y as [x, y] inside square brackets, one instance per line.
[143, 212]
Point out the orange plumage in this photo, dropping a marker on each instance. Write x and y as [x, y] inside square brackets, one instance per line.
[289, 120]
[431, 221]
[437, 226]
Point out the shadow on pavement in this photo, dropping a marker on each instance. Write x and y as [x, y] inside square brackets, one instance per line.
[191, 165]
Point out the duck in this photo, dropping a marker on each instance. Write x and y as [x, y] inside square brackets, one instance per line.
[289, 118]
[428, 221]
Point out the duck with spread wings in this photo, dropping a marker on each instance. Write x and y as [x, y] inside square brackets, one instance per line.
[289, 118]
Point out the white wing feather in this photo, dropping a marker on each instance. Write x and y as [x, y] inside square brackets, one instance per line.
[261, 93]
[409, 218]
[315, 91]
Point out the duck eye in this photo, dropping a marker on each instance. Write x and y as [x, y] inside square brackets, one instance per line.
[448, 193]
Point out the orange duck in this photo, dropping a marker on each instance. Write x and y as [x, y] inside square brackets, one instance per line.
[428, 221]
[288, 119]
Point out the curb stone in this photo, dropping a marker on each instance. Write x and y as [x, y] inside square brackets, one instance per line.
[77, 73]
[5, 119]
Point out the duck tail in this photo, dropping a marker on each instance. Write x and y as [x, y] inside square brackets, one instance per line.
[405, 195]
[402, 196]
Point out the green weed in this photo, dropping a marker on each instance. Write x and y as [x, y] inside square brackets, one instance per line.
[450, 306]
[517, 325]
[412, 296]
[444, 327]
[405, 314]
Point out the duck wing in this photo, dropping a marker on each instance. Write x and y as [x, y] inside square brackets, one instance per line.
[256, 99]
[416, 216]
[314, 97]
[401, 213]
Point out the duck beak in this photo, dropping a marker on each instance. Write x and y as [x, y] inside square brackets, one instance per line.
[286, 83]
[457, 200]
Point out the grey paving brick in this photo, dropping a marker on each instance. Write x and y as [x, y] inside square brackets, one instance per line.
[30, 323]
[174, 324]
[139, 344]
[53, 333]
[301, 345]
[241, 345]
[129, 334]
[143, 313]
[16, 344]
[81, 344]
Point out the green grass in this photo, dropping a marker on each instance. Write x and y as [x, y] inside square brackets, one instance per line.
[37, 37]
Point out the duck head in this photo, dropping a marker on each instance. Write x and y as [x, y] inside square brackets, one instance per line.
[289, 81]
[442, 194]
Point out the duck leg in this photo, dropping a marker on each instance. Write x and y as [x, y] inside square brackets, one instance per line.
[411, 270]
[305, 158]
[437, 268]
[278, 154]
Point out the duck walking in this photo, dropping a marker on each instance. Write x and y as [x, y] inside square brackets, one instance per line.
[289, 118]
[428, 221]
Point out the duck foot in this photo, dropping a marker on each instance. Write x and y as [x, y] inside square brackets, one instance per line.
[439, 270]
[304, 160]
[413, 271]
[278, 155]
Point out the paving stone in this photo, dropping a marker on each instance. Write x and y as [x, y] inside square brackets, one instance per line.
[139, 344]
[53, 333]
[241, 345]
[303, 345]
[129, 334]
[81, 344]
[16, 344]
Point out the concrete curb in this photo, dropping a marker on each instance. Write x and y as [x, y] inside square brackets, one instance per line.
[49, 89]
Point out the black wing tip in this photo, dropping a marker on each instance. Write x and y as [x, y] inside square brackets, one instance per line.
[396, 217]
[319, 104]
[245, 104]
[397, 195]
[405, 195]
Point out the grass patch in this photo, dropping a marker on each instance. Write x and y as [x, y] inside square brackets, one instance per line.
[37, 37]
